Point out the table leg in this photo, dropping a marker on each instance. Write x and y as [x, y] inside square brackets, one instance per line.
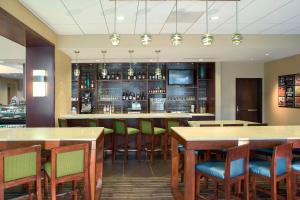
[189, 174]
[175, 164]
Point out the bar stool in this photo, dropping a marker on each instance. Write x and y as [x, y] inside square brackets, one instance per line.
[232, 171]
[169, 123]
[121, 130]
[68, 164]
[63, 123]
[274, 171]
[149, 131]
[21, 166]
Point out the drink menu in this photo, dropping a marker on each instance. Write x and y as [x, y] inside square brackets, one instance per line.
[289, 91]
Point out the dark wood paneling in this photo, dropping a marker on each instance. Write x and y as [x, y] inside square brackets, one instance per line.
[40, 110]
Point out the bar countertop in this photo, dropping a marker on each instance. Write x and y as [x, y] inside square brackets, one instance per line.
[133, 116]
[50, 134]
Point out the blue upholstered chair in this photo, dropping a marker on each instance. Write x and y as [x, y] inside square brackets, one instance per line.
[278, 169]
[295, 174]
[232, 171]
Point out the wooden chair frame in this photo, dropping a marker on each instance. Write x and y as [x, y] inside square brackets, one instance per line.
[234, 153]
[54, 181]
[153, 138]
[126, 137]
[27, 180]
[284, 150]
[294, 176]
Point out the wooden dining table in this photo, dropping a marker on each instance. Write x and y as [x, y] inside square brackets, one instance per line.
[214, 138]
[55, 137]
[219, 122]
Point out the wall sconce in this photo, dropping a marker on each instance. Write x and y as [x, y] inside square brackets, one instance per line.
[39, 83]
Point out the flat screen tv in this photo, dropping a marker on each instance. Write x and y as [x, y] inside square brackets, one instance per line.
[181, 77]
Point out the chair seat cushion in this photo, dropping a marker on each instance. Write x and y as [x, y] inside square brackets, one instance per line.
[265, 151]
[296, 166]
[108, 131]
[132, 131]
[263, 167]
[217, 168]
[158, 131]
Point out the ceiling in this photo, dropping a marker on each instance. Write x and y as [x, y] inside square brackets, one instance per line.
[84, 17]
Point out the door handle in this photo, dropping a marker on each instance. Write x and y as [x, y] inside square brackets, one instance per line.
[252, 110]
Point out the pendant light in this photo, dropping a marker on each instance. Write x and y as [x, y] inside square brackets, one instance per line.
[130, 70]
[115, 38]
[207, 39]
[146, 38]
[176, 38]
[237, 37]
[104, 70]
[158, 69]
[76, 70]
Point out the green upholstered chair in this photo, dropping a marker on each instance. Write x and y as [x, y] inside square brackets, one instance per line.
[154, 133]
[125, 133]
[95, 123]
[63, 123]
[21, 166]
[169, 123]
[68, 164]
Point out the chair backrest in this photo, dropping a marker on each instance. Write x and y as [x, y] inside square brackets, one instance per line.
[210, 125]
[146, 126]
[237, 161]
[281, 159]
[258, 124]
[63, 123]
[226, 125]
[169, 123]
[120, 127]
[69, 160]
[20, 164]
[93, 123]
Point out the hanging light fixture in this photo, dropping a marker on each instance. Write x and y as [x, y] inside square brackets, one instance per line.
[176, 38]
[130, 70]
[104, 70]
[237, 38]
[158, 69]
[146, 38]
[115, 38]
[207, 39]
[76, 70]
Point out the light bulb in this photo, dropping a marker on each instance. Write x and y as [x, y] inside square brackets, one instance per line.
[237, 39]
[146, 39]
[176, 39]
[207, 39]
[76, 71]
[115, 39]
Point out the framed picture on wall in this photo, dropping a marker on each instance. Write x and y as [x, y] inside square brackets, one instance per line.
[281, 80]
[281, 91]
[297, 102]
[290, 80]
[281, 101]
[297, 79]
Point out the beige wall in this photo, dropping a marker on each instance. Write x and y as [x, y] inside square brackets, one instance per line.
[229, 72]
[62, 84]
[273, 114]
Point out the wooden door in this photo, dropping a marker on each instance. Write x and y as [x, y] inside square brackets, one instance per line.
[249, 99]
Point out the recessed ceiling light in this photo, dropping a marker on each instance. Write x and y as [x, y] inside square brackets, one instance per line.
[120, 18]
[213, 18]
[267, 54]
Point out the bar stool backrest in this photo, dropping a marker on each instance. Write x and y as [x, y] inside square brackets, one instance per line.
[146, 126]
[210, 125]
[120, 127]
[281, 159]
[93, 123]
[237, 161]
[171, 123]
[19, 166]
[63, 123]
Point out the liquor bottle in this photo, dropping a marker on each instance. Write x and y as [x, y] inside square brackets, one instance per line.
[123, 96]
[128, 77]
[112, 109]
[134, 76]
[139, 75]
[87, 82]
[130, 96]
[104, 109]
[108, 76]
[92, 84]
[133, 97]
[150, 76]
[118, 76]
[82, 85]
[137, 96]
[164, 77]
[144, 76]
[113, 76]
[126, 96]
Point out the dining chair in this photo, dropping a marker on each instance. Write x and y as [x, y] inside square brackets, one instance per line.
[125, 133]
[21, 166]
[149, 131]
[274, 171]
[229, 172]
[68, 164]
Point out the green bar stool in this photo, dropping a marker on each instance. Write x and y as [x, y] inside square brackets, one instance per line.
[63, 123]
[108, 133]
[21, 166]
[153, 133]
[123, 132]
[68, 164]
[169, 123]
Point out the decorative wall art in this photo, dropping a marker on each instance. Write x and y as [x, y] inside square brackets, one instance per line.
[289, 91]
